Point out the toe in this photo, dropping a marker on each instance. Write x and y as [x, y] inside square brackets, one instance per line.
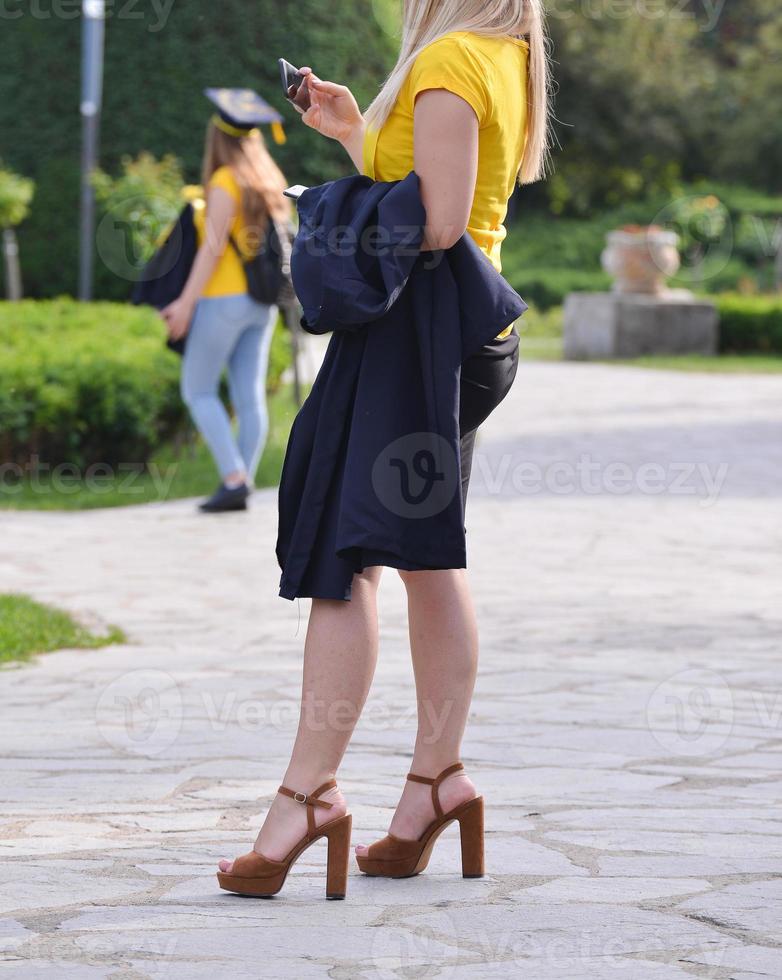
[361, 850]
[225, 865]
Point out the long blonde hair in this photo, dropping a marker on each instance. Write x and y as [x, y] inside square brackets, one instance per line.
[425, 21]
[260, 179]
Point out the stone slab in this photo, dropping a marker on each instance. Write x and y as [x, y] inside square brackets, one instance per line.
[600, 326]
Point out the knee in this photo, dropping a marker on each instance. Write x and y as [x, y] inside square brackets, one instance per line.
[417, 582]
[250, 406]
[434, 580]
[407, 577]
[367, 580]
[192, 389]
[188, 392]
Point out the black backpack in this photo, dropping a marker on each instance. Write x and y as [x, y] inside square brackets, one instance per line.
[268, 272]
[164, 276]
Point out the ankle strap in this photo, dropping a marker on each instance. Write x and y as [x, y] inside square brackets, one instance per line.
[311, 801]
[435, 784]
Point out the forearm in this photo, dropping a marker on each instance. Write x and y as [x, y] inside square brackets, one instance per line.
[354, 145]
[204, 265]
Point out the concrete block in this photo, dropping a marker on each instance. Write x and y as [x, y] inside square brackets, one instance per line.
[600, 326]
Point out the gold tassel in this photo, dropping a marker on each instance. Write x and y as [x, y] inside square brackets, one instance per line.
[278, 133]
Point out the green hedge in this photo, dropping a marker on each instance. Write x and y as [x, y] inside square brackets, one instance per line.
[91, 383]
[547, 288]
[545, 256]
[84, 384]
[750, 323]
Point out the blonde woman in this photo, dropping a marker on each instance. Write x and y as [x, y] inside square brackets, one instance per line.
[465, 107]
[225, 326]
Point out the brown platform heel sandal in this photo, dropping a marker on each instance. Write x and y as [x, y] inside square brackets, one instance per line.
[253, 874]
[394, 857]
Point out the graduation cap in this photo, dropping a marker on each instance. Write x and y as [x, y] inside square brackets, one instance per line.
[241, 110]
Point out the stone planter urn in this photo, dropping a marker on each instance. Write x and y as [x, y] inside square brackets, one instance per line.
[640, 259]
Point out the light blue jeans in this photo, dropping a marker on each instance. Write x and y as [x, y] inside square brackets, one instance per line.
[233, 332]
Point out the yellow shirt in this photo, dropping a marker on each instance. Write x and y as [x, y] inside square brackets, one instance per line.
[489, 73]
[229, 277]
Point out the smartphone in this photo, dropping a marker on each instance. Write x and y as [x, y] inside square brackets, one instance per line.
[295, 191]
[294, 85]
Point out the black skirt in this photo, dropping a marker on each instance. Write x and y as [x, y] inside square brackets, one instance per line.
[486, 379]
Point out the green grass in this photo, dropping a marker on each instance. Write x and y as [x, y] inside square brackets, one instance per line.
[550, 349]
[28, 627]
[721, 364]
[540, 334]
[175, 471]
[540, 349]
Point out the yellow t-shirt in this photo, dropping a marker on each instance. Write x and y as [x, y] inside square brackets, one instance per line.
[229, 277]
[489, 73]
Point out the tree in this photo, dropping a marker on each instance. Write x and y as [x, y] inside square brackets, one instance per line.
[16, 193]
[628, 89]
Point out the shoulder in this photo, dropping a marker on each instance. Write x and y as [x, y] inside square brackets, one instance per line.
[455, 62]
[224, 178]
[456, 48]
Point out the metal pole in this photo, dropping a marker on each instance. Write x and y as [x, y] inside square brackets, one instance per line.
[13, 274]
[93, 24]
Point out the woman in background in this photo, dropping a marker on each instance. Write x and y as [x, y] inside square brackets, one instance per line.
[225, 326]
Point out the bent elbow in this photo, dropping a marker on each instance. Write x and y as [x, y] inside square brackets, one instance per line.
[445, 237]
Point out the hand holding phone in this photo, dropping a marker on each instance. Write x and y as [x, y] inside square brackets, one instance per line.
[294, 85]
[335, 113]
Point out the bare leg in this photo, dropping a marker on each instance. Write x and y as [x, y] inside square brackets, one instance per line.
[340, 653]
[444, 646]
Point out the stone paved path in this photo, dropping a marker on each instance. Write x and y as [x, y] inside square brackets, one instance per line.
[627, 729]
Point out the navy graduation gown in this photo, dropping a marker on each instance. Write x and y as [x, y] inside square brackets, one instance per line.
[371, 473]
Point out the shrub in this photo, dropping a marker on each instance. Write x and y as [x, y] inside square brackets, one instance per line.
[91, 383]
[16, 193]
[85, 383]
[280, 357]
[137, 209]
[545, 256]
[546, 288]
[750, 323]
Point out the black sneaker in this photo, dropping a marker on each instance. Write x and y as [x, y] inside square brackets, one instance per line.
[226, 498]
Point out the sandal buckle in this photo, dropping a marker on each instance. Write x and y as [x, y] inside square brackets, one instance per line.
[300, 797]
